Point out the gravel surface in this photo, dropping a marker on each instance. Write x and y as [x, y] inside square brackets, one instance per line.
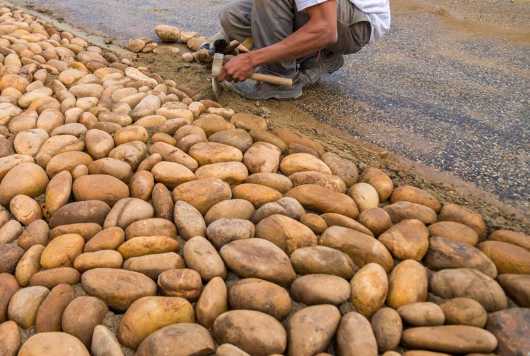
[448, 87]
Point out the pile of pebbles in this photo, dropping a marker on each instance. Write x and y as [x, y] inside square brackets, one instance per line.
[136, 220]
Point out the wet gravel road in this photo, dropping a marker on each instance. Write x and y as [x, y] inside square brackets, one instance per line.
[449, 87]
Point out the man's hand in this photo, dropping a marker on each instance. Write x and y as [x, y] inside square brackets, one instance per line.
[238, 68]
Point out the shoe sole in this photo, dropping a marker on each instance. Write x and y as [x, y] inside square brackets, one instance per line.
[273, 96]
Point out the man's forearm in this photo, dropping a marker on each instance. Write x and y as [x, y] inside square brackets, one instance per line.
[298, 45]
[317, 33]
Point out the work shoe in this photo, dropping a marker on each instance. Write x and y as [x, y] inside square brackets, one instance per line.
[216, 43]
[314, 68]
[252, 90]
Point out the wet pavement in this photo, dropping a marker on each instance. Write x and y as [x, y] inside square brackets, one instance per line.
[448, 87]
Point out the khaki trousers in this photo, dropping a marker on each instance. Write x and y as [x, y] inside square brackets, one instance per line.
[270, 21]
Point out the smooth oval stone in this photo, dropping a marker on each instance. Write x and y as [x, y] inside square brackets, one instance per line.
[252, 331]
[238, 138]
[151, 227]
[148, 314]
[128, 210]
[174, 340]
[333, 219]
[311, 329]
[213, 152]
[422, 314]
[230, 350]
[153, 265]
[300, 162]
[507, 257]
[450, 338]
[324, 260]
[408, 284]
[224, 231]
[369, 289]
[404, 210]
[82, 315]
[107, 239]
[8, 287]
[26, 178]
[260, 295]
[100, 187]
[444, 253]
[118, 288]
[9, 257]
[408, 239]
[98, 259]
[376, 220]
[230, 209]
[315, 222]
[10, 231]
[24, 305]
[454, 231]
[415, 195]
[162, 201]
[201, 255]
[361, 248]
[315, 197]
[258, 258]
[343, 168]
[255, 193]
[355, 336]
[28, 265]
[464, 311]
[457, 213]
[58, 191]
[62, 251]
[514, 237]
[104, 342]
[320, 289]
[50, 313]
[230, 172]
[262, 157]
[90, 211]
[517, 286]
[203, 193]
[189, 220]
[9, 338]
[387, 327]
[275, 181]
[52, 277]
[86, 230]
[286, 233]
[113, 167]
[35, 233]
[172, 174]
[469, 283]
[146, 245]
[511, 328]
[212, 302]
[184, 282]
[53, 343]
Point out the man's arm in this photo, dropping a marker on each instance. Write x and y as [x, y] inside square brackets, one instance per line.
[317, 33]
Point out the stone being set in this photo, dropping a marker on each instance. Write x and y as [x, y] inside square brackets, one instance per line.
[135, 219]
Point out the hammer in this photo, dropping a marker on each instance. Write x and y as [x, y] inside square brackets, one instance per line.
[217, 68]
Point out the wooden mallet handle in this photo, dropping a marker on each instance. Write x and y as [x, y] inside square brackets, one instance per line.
[272, 79]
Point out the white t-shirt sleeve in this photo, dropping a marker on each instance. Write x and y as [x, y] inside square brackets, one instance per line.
[304, 4]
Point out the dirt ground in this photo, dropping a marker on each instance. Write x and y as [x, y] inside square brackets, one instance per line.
[446, 186]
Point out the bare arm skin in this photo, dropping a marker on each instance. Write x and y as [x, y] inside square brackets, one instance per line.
[319, 32]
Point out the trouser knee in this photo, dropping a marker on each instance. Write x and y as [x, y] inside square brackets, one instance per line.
[226, 18]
